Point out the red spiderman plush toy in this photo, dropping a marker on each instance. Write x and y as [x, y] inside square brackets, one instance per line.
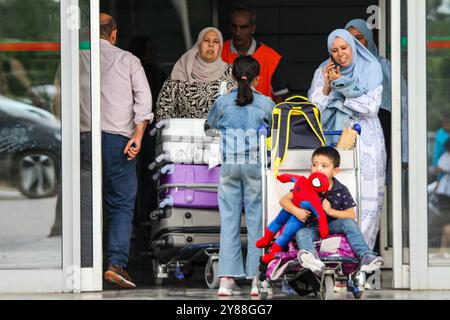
[305, 196]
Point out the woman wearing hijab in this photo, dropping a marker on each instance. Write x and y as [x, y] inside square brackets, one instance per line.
[361, 31]
[348, 89]
[197, 79]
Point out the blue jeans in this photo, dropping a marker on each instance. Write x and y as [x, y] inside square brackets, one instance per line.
[237, 180]
[306, 236]
[119, 195]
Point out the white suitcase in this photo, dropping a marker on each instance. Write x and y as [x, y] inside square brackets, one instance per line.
[185, 141]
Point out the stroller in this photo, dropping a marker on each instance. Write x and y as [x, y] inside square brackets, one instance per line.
[341, 263]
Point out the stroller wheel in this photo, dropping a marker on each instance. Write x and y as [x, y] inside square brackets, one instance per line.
[327, 289]
[263, 284]
[357, 294]
[263, 289]
[158, 281]
[211, 274]
[159, 273]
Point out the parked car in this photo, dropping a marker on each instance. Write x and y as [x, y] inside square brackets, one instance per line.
[30, 148]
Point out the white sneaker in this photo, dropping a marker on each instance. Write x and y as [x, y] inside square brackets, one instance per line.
[309, 261]
[254, 291]
[228, 287]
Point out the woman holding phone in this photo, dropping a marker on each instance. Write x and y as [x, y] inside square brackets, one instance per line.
[348, 89]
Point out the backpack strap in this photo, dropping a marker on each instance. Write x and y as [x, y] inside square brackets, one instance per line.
[282, 138]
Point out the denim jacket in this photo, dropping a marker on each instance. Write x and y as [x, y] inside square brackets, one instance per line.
[239, 125]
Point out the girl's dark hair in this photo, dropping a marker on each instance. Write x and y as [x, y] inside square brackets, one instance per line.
[245, 69]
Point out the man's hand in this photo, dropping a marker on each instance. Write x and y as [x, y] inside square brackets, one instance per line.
[133, 147]
[134, 144]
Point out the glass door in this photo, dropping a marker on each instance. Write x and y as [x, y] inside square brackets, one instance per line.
[429, 65]
[30, 146]
[49, 221]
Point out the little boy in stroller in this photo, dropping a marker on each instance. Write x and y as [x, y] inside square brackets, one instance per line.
[338, 205]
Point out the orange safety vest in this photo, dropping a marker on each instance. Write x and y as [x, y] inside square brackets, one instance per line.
[268, 60]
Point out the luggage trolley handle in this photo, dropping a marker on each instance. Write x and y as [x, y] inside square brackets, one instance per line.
[262, 133]
[355, 127]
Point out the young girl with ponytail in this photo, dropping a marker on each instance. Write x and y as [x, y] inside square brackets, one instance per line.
[238, 115]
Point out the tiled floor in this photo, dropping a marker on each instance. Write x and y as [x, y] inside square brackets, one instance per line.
[200, 293]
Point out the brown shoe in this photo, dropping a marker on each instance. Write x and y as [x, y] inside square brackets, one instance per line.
[119, 276]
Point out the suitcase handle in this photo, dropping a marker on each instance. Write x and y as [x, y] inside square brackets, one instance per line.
[167, 169]
[158, 126]
[199, 186]
[168, 201]
[156, 214]
[159, 159]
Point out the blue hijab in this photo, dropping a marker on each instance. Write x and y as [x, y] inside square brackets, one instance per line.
[365, 70]
[363, 27]
[364, 74]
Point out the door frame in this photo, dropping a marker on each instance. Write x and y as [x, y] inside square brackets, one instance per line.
[91, 278]
[423, 276]
[67, 277]
[400, 270]
[70, 277]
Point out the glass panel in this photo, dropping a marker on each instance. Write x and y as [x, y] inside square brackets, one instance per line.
[404, 133]
[85, 137]
[438, 123]
[30, 135]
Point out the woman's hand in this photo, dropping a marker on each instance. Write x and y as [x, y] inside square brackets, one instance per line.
[335, 73]
[326, 73]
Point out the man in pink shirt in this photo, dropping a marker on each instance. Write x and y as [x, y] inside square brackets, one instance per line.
[126, 105]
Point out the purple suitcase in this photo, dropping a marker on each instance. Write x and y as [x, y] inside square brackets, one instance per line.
[190, 186]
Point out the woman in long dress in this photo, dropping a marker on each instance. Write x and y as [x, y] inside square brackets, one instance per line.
[348, 89]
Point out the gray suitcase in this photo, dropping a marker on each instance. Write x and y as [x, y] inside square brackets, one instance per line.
[181, 220]
[168, 247]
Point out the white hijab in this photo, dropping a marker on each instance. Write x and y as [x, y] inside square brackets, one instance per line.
[191, 63]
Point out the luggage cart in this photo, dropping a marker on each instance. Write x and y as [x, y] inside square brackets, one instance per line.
[337, 268]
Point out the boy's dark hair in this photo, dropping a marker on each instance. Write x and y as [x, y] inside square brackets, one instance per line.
[245, 9]
[447, 145]
[245, 69]
[329, 152]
